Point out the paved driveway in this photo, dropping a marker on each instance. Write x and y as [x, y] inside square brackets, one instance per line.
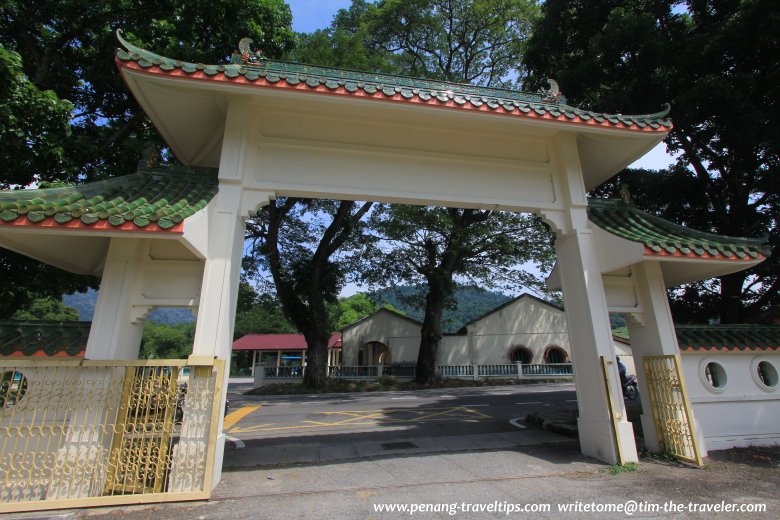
[278, 430]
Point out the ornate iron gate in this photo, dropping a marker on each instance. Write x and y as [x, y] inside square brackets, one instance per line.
[671, 408]
[77, 433]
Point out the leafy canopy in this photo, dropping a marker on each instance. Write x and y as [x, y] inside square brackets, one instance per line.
[718, 64]
[47, 309]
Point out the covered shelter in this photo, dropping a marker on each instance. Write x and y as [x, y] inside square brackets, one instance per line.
[283, 350]
[255, 129]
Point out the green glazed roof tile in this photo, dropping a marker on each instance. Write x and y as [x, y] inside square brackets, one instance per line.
[43, 338]
[660, 236]
[164, 195]
[547, 103]
[728, 337]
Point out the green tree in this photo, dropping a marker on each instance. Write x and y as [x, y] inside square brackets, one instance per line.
[65, 114]
[47, 309]
[356, 307]
[67, 48]
[434, 245]
[349, 310]
[33, 125]
[717, 62]
[163, 341]
[347, 43]
[309, 247]
[469, 41]
[259, 314]
[22, 280]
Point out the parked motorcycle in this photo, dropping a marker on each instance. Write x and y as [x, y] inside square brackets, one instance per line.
[630, 388]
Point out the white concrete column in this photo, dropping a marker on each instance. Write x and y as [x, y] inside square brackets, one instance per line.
[586, 314]
[591, 338]
[653, 336]
[115, 331]
[226, 215]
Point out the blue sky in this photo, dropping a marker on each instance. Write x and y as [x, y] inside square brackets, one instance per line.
[309, 15]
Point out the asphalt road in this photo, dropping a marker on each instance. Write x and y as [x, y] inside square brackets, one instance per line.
[388, 414]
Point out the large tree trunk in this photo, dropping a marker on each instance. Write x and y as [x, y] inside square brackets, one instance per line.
[430, 334]
[316, 358]
[731, 298]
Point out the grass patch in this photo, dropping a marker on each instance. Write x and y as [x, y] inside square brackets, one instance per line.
[628, 467]
[665, 456]
[382, 384]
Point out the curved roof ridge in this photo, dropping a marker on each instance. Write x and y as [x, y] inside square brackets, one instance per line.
[151, 199]
[548, 104]
[660, 236]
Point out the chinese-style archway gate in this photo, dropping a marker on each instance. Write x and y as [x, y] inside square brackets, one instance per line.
[256, 129]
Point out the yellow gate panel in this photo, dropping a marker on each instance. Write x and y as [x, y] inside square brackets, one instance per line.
[79, 433]
[671, 407]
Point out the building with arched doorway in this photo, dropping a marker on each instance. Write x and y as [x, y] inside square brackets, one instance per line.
[525, 329]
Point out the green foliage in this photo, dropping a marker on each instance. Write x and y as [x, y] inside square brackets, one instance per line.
[162, 341]
[349, 310]
[617, 469]
[47, 309]
[67, 47]
[470, 41]
[259, 314]
[347, 43]
[22, 280]
[65, 114]
[33, 125]
[717, 64]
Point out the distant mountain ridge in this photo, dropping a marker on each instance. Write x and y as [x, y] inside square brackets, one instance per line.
[472, 302]
[85, 304]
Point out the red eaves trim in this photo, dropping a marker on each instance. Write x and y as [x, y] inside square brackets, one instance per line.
[705, 256]
[100, 225]
[41, 353]
[280, 342]
[341, 91]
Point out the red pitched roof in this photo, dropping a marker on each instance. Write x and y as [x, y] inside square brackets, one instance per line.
[279, 342]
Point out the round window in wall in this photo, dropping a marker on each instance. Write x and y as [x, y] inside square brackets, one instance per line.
[555, 354]
[715, 375]
[521, 354]
[767, 374]
[13, 386]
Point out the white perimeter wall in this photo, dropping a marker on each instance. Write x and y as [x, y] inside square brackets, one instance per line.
[744, 412]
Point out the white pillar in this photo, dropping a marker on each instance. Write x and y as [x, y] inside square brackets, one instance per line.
[116, 333]
[219, 290]
[587, 315]
[654, 335]
[591, 338]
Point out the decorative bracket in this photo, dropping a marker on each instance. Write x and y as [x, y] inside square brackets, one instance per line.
[139, 313]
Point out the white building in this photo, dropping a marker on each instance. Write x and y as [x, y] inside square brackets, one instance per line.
[525, 329]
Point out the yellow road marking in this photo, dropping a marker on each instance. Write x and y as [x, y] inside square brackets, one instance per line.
[233, 417]
[370, 417]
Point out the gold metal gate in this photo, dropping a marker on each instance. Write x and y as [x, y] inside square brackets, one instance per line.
[671, 407]
[79, 433]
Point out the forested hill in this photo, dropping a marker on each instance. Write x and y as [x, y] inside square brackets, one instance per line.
[84, 303]
[472, 302]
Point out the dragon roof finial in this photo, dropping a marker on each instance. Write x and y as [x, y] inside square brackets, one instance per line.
[245, 55]
[553, 93]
